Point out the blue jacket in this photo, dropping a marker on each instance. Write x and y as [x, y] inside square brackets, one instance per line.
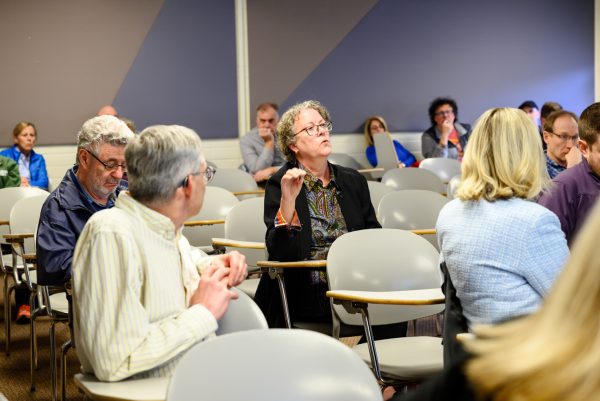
[62, 219]
[404, 156]
[37, 166]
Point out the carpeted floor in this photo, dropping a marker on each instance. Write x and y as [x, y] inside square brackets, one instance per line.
[14, 369]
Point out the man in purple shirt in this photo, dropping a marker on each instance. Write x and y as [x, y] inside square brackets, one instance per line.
[575, 190]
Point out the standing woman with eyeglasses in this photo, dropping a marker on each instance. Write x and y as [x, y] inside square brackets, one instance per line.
[32, 166]
[308, 204]
[446, 137]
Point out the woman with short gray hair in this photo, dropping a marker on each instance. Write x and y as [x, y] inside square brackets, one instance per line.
[308, 204]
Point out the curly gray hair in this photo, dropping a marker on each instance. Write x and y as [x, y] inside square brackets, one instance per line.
[285, 128]
[102, 130]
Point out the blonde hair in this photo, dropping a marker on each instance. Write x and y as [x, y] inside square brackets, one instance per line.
[367, 129]
[553, 354]
[21, 126]
[504, 158]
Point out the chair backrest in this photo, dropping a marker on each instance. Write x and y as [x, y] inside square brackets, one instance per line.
[8, 197]
[377, 190]
[242, 314]
[386, 152]
[25, 217]
[234, 180]
[245, 223]
[344, 160]
[411, 209]
[273, 365]
[442, 167]
[412, 178]
[217, 204]
[453, 186]
[383, 260]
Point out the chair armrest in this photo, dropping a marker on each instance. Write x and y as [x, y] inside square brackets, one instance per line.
[194, 223]
[30, 258]
[17, 238]
[371, 170]
[150, 389]
[224, 242]
[255, 192]
[430, 296]
[306, 264]
[426, 231]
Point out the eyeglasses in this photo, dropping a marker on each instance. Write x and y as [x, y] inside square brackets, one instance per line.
[110, 166]
[209, 174]
[565, 138]
[444, 112]
[315, 129]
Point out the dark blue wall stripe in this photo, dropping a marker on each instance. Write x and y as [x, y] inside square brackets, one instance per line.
[483, 53]
[185, 72]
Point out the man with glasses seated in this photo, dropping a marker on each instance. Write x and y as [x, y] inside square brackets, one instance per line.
[88, 187]
[446, 137]
[576, 190]
[561, 135]
[138, 298]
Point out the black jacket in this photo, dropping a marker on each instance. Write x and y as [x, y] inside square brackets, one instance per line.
[288, 245]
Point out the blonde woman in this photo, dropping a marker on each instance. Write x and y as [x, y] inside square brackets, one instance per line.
[550, 355]
[376, 124]
[502, 250]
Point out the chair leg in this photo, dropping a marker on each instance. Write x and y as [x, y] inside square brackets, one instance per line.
[7, 316]
[32, 341]
[63, 369]
[284, 302]
[53, 359]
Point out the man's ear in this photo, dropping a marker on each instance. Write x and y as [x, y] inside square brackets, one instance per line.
[83, 157]
[583, 147]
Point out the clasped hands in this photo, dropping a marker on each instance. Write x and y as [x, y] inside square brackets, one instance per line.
[224, 272]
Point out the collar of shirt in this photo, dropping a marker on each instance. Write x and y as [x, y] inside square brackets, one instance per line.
[156, 221]
[313, 183]
[96, 206]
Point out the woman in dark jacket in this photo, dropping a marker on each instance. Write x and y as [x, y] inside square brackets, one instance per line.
[308, 204]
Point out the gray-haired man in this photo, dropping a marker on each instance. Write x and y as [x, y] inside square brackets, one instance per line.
[137, 295]
[90, 186]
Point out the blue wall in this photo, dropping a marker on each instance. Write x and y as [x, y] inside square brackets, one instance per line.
[185, 72]
[484, 54]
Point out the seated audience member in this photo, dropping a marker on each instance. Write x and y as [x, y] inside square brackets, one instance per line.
[547, 108]
[138, 298]
[550, 355]
[9, 173]
[502, 250]
[531, 109]
[446, 137]
[107, 110]
[576, 190]
[376, 124]
[561, 135]
[262, 157]
[32, 166]
[305, 212]
[90, 186]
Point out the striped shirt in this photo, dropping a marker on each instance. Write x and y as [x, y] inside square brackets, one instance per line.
[133, 274]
